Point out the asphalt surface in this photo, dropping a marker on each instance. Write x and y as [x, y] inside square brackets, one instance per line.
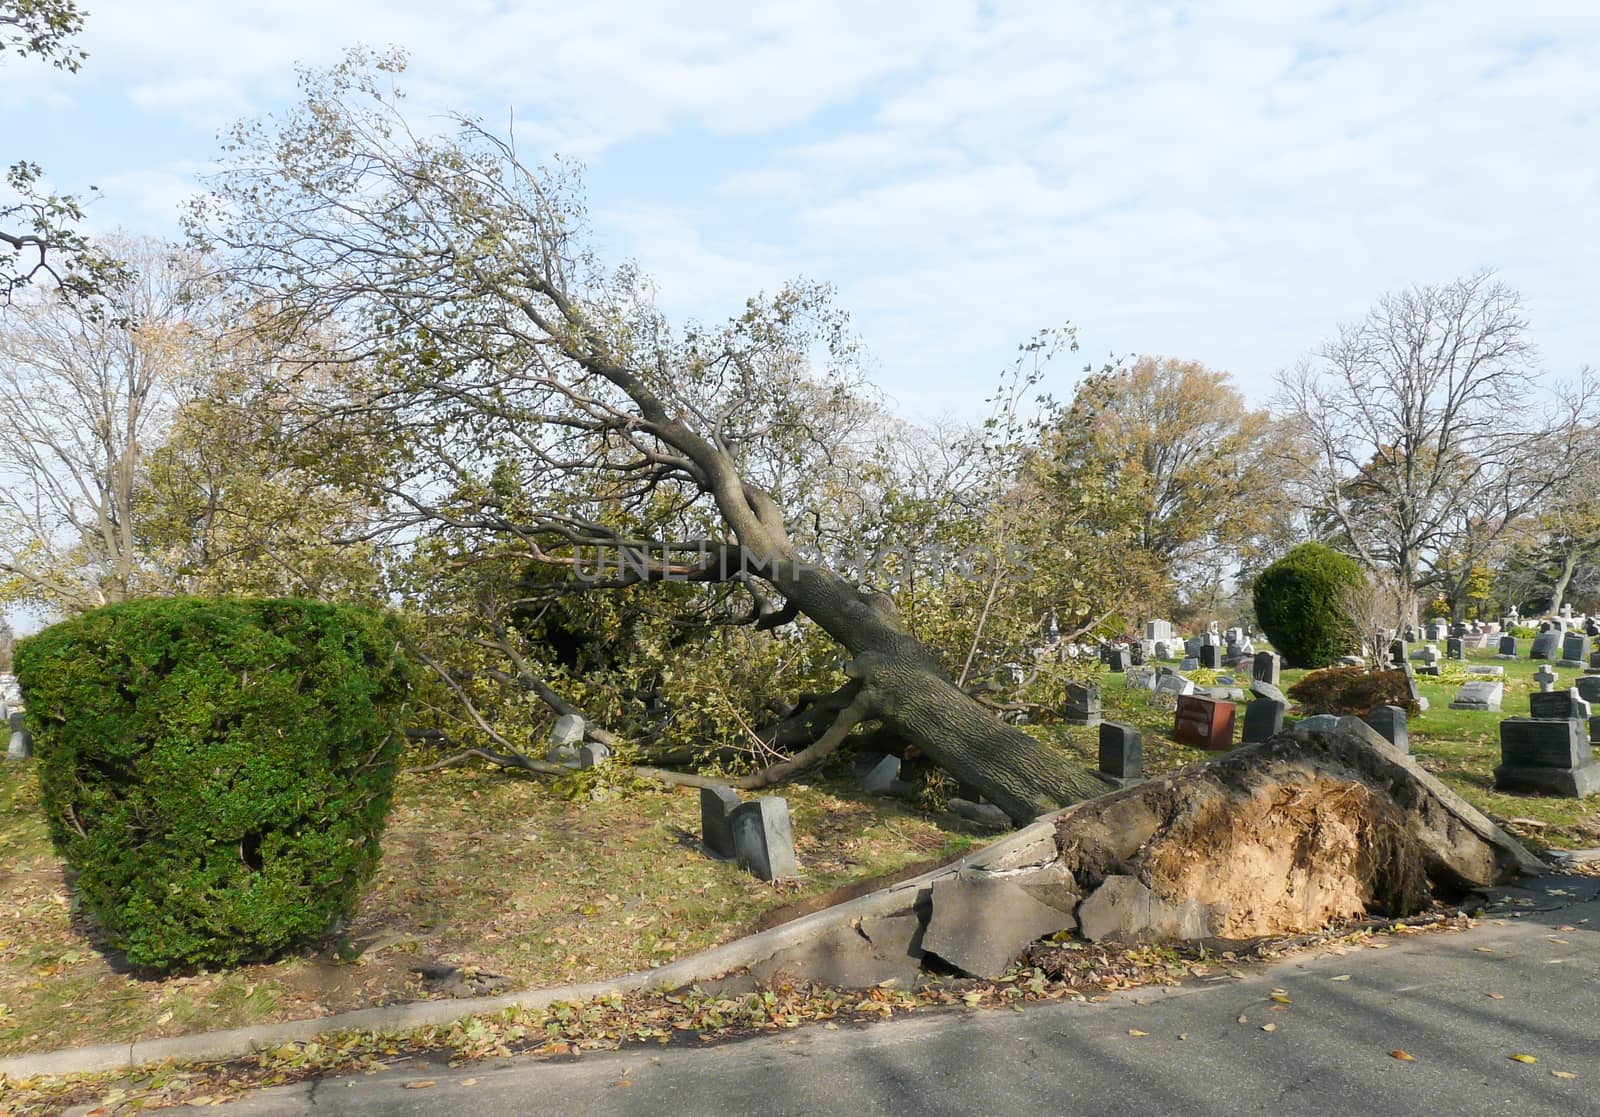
[1328, 1051]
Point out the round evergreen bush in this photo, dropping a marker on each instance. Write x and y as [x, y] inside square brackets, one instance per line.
[1298, 605]
[218, 772]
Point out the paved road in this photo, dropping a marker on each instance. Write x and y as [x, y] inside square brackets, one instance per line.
[1328, 1052]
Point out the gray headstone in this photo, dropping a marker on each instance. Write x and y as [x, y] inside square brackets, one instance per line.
[1083, 704]
[20, 746]
[1268, 690]
[1189, 664]
[1192, 646]
[1322, 722]
[1546, 645]
[1476, 695]
[717, 804]
[1390, 721]
[981, 925]
[1121, 751]
[1486, 669]
[1588, 686]
[1174, 684]
[763, 840]
[593, 755]
[883, 777]
[1268, 667]
[1558, 704]
[1574, 649]
[1263, 720]
[568, 730]
[562, 754]
[1546, 677]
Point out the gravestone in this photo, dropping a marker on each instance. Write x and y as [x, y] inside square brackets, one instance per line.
[1486, 669]
[1397, 652]
[1267, 690]
[1551, 756]
[1475, 695]
[1083, 705]
[1594, 663]
[1455, 648]
[1105, 653]
[1560, 704]
[1508, 647]
[882, 776]
[1118, 660]
[1140, 677]
[1190, 664]
[1163, 649]
[763, 841]
[1233, 635]
[1160, 630]
[1268, 667]
[1574, 650]
[593, 755]
[1546, 677]
[1136, 654]
[1437, 630]
[1429, 656]
[1588, 687]
[20, 747]
[568, 730]
[1324, 722]
[1204, 723]
[1390, 721]
[1263, 720]
[1546, 645]
[1210, 657]
[717, 804]
[1191, 646]
[1174, 684]
[1121, 752]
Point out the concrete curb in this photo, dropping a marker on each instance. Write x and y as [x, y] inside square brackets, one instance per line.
[1032, 844]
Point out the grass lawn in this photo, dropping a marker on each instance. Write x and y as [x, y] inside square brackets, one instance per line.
[521, 888]
[496, 875]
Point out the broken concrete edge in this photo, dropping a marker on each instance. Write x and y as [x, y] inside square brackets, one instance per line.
[1031, 845]
[1469, 816]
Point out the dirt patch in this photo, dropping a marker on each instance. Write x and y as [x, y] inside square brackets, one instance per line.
[1284, 837]
[1290, 857]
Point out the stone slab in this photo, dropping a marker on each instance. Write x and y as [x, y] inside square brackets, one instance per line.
[1479, 696]
[981, 925]
[717, 805]
[1570, 783]
[1124, 910]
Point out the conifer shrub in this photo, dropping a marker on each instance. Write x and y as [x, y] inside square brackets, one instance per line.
[1299, 602]
[217, 772]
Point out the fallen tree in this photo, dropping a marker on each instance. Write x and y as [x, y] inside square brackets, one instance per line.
[551, 414]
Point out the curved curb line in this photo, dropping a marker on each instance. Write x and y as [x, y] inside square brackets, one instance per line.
[1033, 844]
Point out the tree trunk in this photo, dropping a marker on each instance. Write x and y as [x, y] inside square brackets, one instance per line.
[903, 686]
[1569, 563]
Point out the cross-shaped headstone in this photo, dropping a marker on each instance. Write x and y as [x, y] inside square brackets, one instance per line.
[1545, 677]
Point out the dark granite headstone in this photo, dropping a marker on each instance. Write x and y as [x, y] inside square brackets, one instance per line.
[1557, 704]
[1575, 648]
[1210, 656]
[1551, 756]
[716, 828]
[1268, 667]
[1390, 722]
[1263, 720]
[1136, 654]
[1118, 660]
[1121, 751]
[1545, 645]
[1455, 648]
[1588, 688]
[1508, 645]
[1398, 652]
[1083, 704]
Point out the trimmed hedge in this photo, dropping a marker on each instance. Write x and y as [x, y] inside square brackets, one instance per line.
[1353, 690]
[218, 772]
[1297, 602]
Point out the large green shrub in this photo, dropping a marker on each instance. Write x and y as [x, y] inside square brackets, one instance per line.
[218, 772]
[1299, 604]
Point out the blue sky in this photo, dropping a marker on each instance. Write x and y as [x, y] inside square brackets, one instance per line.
[1217, 181]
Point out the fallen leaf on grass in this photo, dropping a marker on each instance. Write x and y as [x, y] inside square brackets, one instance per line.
[1281, 998]
[1243, 1019]
[1523, 1059]
[1137, 1032]
[1269, 1027]
[1483, 950]
[1341, 977]
[1562, 1074]
[1495, 996]
[1403, 1056]
[421, 1085]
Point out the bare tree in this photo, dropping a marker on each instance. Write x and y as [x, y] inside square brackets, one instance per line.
[1422, 435]
[551, 409]
[84, 389]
